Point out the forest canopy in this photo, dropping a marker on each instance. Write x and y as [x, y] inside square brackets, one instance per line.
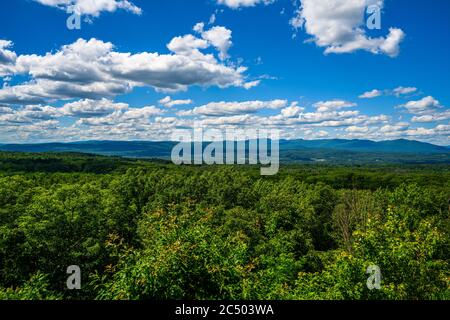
[151, 230]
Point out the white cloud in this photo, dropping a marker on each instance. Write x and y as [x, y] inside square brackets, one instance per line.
[424, 106]
[24, 131]
[339, 119]
[427, 109]
[130, 116]
[29, 114]
[219, 37]
[417, 132]
[328, 118]
[236, 4]
[92, 108]
[404, 91]
[382, 118]
[7, 57]
[116, 121]
[4, 110]
[356, 129]
[251, 84]
[169, 103]
[39, 112]
[371, 94]
[188, 45]
[92, 7]
[438, 134]
[398, 92]
[92, 69]
[437, 116]
[401, 126]
[223, 108]
[38, 91]
[292, 111]
[318, 134]
[13, 119]
[229, 120]
[338, 27]
[333, 105]
[443, 129]
[97, 110]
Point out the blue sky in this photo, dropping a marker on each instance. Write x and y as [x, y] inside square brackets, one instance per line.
[138, 70]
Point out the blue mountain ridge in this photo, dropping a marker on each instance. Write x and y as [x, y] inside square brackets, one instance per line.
[163, 148]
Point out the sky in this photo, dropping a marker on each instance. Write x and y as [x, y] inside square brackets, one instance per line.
[139, 69]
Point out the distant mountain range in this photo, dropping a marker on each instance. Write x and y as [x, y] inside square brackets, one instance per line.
[389, 146]
[134, 149]
[331, 150]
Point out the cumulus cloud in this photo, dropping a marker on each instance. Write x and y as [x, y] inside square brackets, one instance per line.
[338, 26]
[41, 90]
[426, 110]
[88, 108]
[404, 91]
[92, 7]
[29, 114]
[251, 84]
[322, 117]
[418, 132]
[333, 105]
[219, 37]
[292, 111]
[109, 120]
[229, 120]
[398, 92]
[423, 106]
[356, 129]
[188, 45]
[129, 115]
[169, 103]
[330, 114]
[4, 110]
[401, 130]
[236, 4]
[93, 69]
[371, 94]
[223, 108]
[437, 116]
[7, 57]
[39, 112]
[397, 127]
[345, 119]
